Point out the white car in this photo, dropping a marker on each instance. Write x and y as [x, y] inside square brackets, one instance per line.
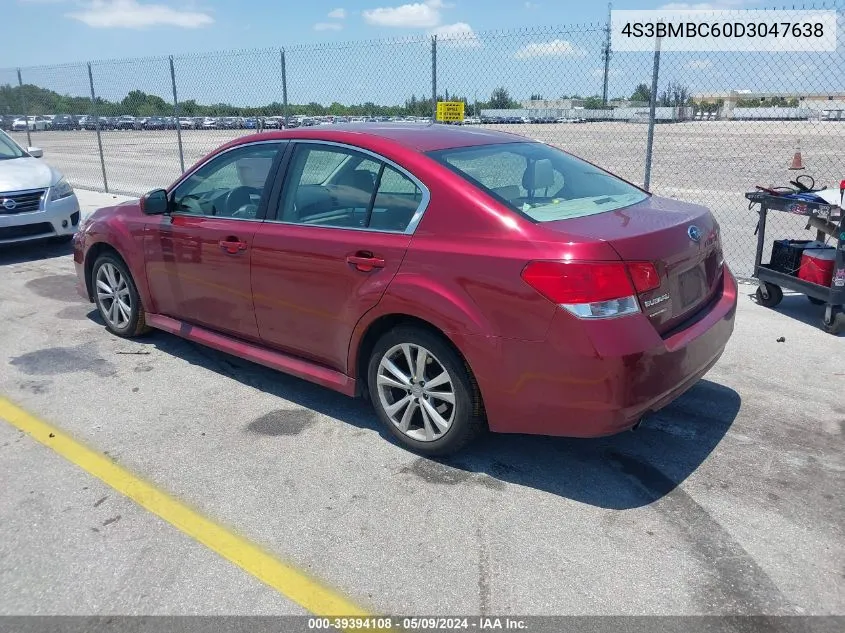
[33, 123]
[36, 202]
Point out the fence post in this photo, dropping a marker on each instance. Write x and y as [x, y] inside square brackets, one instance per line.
[651, 115]
[433, 77]
[284, 86]
[25, 109]
[97, 127]
[606, 53]
[176, 115]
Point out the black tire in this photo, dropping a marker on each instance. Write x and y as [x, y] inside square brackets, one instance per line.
[835, 324]
[775, 296]
[815, 302]
[135, 325]
[468, 421]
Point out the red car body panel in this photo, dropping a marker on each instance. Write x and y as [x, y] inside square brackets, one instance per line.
[308, 298]
[293, 302]
[190, 276]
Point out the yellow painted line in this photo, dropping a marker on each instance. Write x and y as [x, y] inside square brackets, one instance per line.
[287, 580]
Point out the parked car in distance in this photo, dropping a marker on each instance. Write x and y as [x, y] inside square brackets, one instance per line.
[273, 123]
[36, 202]
[209, 123]
[33, 123]
[125, 123]
[462, 279]
[64, 122]
[155, 123]
[104, 122]
[186, 123]
[6, 121]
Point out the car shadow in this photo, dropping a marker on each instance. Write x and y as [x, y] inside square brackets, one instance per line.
[32, 251]
[624, 471]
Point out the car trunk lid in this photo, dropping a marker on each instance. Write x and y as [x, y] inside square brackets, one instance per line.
[682, 241]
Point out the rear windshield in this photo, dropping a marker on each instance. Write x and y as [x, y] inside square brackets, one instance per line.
[539, 181]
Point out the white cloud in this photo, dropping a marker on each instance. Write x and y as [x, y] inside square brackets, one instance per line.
[328, 26]
[531, 5]
[420, 15]
[131, 14]
[458, 35]
[554, 48]
[698, 64]
[337, 14]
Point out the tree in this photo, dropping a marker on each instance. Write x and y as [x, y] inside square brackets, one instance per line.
[501, 99]
[641, 93]
[674, 95]
[536, 97]
[593, 103]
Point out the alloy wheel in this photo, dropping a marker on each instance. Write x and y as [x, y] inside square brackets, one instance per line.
[416, 392]
[113, 296]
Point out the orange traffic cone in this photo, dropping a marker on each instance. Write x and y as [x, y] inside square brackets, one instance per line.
[797, 163]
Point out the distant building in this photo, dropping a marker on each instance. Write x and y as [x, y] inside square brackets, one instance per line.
[809, 105]
[551, 104]
[803, 98]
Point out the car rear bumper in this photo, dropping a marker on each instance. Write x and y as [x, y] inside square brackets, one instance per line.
[596, 378]
[56, 218]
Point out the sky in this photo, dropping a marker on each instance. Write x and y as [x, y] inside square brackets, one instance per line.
[528, 46]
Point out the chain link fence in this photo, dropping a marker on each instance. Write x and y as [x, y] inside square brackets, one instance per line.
[702, 127]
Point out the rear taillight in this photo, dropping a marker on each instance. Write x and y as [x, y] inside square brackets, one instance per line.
[592, 290]
[644, 275]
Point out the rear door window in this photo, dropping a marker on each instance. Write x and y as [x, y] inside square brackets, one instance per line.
[340, 187]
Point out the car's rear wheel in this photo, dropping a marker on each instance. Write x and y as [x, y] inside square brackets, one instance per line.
[117, 297]
[424, 392]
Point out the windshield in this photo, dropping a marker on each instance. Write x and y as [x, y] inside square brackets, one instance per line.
[9, 149]
[541, 182]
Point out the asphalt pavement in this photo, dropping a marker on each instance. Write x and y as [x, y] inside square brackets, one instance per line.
[727, 502]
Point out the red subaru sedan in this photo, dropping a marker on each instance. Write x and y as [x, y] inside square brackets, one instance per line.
[462, 279]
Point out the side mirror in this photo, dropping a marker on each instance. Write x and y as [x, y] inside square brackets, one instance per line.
[35, 152]
[155, 202]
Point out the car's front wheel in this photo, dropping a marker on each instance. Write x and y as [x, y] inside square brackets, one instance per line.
[117, 297]
[424, 392]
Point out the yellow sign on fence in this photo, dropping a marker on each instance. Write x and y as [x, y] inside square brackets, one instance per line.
[450, 110]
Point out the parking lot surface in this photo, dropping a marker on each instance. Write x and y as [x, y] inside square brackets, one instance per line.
[728, 501]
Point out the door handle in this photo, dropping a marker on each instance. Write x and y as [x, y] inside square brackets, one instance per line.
[232, 245]
[364, 261]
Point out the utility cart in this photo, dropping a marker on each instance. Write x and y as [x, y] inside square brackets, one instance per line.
[828, 220]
